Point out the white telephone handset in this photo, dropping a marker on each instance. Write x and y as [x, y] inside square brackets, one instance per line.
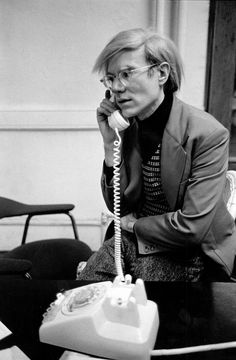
[106, 319]
[116, 121]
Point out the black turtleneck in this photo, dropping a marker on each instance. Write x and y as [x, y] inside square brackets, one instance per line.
[151, 129]
[150, 132]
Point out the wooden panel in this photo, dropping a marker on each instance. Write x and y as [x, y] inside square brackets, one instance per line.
[221, 60]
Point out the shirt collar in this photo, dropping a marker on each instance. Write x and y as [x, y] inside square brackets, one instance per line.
[157, 121]
[151, 129]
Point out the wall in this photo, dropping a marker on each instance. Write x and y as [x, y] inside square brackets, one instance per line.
[50, 148]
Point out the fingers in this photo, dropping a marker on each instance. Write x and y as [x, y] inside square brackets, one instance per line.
[106, 107]
[127, 222]
[108, 94]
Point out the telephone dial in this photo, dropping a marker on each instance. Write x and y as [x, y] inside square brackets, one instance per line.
[108, 319]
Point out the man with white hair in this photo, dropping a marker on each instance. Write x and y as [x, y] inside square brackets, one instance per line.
[173, 164]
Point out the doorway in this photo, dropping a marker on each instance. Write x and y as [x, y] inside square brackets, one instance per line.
[220, 94]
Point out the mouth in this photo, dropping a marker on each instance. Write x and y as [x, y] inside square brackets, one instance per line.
[122, 102]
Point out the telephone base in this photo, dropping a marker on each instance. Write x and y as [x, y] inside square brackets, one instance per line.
[111, 320]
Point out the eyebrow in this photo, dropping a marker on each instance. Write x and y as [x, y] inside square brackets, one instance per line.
[128, 67]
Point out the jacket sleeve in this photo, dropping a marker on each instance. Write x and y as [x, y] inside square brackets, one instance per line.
[190, 223]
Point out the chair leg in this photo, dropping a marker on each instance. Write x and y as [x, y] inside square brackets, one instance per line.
[74, 226]
[28, 221]
[26, 229]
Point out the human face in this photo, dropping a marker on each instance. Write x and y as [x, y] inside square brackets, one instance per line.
[144, 93]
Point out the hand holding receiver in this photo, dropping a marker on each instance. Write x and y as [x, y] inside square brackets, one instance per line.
[116, 121]
[110, 121]
[112, 320]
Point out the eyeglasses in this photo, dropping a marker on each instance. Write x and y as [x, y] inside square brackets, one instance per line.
[124, 76]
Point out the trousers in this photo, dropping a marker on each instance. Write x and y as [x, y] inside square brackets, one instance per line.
[165, 266]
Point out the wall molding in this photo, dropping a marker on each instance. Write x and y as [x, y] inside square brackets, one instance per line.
[33, 120]
[169, 18]
[56, 222]
[49, 220]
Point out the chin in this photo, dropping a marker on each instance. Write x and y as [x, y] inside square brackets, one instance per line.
[129, 113]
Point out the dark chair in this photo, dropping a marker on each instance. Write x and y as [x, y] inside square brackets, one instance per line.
[45, 259]
[42, 259]
[12, 208]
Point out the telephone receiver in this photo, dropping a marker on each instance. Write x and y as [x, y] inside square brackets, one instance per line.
[116, 120]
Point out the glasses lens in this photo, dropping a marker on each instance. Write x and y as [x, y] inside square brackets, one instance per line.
[124, 76]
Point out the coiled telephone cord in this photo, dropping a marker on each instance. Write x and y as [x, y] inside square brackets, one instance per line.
[116, 193]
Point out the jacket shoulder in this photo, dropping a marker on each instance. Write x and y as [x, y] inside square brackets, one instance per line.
[188, 121]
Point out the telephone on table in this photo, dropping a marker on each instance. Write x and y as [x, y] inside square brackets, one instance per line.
[111, 320]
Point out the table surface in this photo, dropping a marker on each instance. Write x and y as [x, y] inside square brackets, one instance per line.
[190, 314]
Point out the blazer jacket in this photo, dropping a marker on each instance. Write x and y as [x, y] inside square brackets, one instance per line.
[194, 161]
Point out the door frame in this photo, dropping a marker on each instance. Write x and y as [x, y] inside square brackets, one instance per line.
[220, 71]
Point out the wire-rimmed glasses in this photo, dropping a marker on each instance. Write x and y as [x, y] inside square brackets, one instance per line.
[124, 76]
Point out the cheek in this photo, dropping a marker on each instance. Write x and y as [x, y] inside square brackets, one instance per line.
[142, 96]
[146, 92]
[138, 105]
[143, 99]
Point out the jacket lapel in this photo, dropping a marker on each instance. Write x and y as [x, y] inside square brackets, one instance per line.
[173, 155]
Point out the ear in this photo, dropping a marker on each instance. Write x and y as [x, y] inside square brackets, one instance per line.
[164, 72]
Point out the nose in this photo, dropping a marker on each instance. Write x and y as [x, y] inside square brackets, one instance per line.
[117, 86]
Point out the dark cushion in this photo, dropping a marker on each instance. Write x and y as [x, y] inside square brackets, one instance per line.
[9, 266]
[52, 258]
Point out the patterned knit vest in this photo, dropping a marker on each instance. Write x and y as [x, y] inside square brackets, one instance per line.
[155, 202]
